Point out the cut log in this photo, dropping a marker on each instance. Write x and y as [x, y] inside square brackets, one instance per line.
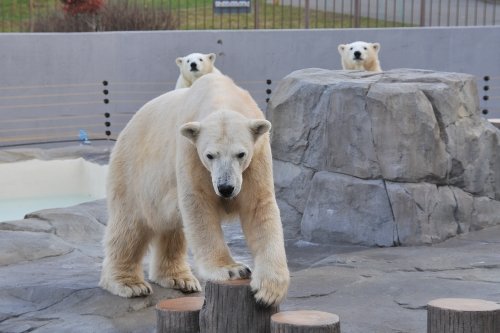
[461, 315]
[179, 315]
[305, 321]
[231, 307]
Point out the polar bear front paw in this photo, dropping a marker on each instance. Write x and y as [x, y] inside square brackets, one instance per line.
[270, 291]
[227, 272]
[128, 289]
[186, 283]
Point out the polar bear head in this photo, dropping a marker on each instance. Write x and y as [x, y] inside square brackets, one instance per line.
[360, 55]
[195, 65]
[225, 142]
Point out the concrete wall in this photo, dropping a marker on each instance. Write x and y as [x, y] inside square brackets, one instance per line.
[52, 85]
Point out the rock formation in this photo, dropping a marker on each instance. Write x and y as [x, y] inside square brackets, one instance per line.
[400, 157]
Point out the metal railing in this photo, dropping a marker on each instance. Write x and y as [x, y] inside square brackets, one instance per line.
[40, 15]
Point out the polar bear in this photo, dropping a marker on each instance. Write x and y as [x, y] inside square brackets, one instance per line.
[193, 66]
[360, 55]
[185, 162]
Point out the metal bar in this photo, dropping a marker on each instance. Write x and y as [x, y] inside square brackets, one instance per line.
[475, 13]
[264, 5]
[484, 12]
[306, 14]
[394, 13]
[256, 14]
[467, 12]
[422, 13]
[431, 11]
[357, 13]
[449, 14]
[403, 11]
[493, 19]
[411, 11]
[342, 12]
[457, 20]
[376, 15]
[369, 15]
[385, 14]
[439, 13]
[334, 12]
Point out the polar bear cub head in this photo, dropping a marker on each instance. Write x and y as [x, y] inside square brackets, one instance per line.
[225, 142]
[195, 65]
[360, 55]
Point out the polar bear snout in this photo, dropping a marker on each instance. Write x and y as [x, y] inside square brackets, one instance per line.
[357, 55]
[194, 67]
[225, 190]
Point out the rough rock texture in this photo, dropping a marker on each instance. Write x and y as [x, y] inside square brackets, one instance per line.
[399, 157]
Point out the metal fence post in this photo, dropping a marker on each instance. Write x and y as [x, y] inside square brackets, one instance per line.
[256, 15]
[422, 13]
[306, 14]
[357, 13]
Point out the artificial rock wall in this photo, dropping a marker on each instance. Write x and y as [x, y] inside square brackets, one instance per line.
[394, 158]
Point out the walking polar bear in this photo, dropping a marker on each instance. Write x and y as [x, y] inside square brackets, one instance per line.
[194, 66]
[188, 160]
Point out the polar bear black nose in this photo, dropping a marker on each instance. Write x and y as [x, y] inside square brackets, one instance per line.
[357, 54]
[225, 190]
[193, 66]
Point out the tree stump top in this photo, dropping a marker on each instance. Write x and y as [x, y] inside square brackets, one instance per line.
[308, 318]
[464, 304]
[181, 304]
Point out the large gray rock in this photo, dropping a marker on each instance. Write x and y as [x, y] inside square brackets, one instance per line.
[347, 209]
[417, 134]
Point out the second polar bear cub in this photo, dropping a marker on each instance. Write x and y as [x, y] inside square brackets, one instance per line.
[194, 66]
[360, 56]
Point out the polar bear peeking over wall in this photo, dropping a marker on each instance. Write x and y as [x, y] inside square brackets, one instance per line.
[186, 161]
[194, 66]
[360, 56]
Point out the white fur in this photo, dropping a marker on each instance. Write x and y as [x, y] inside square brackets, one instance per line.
[194, 66]
[165, 178]
[360, 56]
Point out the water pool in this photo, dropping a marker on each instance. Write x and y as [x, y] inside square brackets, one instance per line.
[32, 185]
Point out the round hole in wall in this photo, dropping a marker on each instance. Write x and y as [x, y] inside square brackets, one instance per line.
[108, 133]
[486, 88]
[267, 100]
[485, 111]
[268, 81]
[105, 91]
[268, 91]
[104, 83]
[107, 124]
[486, 78]
[486, 97]
[106, 101]
[107, 115]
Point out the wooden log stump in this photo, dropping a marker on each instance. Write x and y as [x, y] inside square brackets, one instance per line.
[231, 307]
[461, 315]
[179, 315]
[305, 321]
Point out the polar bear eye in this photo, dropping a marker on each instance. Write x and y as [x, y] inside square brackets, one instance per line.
[210, 156]
[365, 48]
[201, 59]
[351, 48]
[241, 155]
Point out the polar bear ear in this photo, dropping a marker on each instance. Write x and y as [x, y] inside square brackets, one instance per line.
[178, 61]
[191, 130]
[211, 57]
[341, 48]
[376, 46]
[259, 127]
